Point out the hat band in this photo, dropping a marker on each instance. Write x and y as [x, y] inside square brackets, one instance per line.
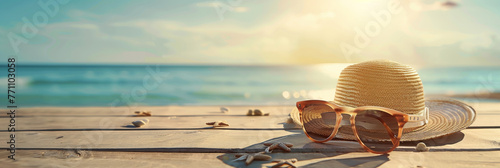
[418, 120]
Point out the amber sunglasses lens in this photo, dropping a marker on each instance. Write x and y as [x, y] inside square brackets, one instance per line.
[319, 121]
[375, 124]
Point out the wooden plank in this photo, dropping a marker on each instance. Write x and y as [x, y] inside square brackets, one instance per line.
[142, 139]
[476, 142]
[222, 140]
[169, 117]
[470, 148]
[486, 108]
[183, 122]
[64, 158]
[482, 107]
[487, 120]
[189, 122]
[156, 110]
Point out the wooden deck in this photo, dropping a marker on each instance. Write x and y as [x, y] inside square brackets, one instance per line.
[178, 137]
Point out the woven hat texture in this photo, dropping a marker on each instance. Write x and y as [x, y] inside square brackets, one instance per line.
[393, 85]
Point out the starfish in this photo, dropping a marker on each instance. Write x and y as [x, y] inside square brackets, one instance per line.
[249, 158]
[283, 145]
[282, 162]
[218, 123]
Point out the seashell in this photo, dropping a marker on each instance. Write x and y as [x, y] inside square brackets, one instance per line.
[224, 110]
[250, 112]
[257, 112]
[421, 147]
[218, 123]
[140, 123]
[143, 113]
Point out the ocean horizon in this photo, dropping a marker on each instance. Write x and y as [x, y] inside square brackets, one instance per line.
[71, 85]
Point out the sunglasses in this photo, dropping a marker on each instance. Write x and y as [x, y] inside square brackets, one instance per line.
[377, 129]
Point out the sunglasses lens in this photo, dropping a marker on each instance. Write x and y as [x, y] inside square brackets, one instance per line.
[373, 129]
[319, 121]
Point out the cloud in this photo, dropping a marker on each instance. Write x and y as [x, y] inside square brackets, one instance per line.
[286, 38]
[485, 43]
[219, 5]
[418, 5]
[281, 42]
[208, 4]
[293, 39]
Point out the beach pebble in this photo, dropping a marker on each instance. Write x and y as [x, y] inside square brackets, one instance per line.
[224, 110]
[421, 147]
[140, 123]
[250, 112]
[257, 112]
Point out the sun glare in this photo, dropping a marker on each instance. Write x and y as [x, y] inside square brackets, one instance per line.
[333, 70]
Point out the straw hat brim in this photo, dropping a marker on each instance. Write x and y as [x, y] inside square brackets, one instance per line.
[446, 116]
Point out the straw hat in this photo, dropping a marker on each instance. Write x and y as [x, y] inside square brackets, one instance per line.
[393, 85]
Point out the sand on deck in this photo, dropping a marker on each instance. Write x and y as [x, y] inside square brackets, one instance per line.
[177, 136]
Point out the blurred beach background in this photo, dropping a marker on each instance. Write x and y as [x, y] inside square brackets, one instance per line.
[91, 53]
[101, 85]
[86, 71]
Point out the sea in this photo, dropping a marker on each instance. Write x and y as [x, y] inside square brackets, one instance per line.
[160, 85]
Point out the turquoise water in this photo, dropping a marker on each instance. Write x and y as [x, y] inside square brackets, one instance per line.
[210, 85]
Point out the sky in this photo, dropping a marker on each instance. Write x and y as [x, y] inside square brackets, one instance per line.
[251, 32]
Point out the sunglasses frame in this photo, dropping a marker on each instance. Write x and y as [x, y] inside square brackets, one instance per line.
[401, 118]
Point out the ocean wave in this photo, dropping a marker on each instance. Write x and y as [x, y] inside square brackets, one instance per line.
[455, 82]
[80, 81]
[18, 81]
[201, 85]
